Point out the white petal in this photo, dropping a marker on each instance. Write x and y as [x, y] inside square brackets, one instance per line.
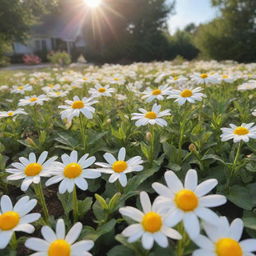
[236, 229]
[205, 187]
[147, 241]
[173, 182]
[191, 180]
[145, 202]
[109, 158]
[60, 229]
[82, 246]
[213, 200]
[121, 154]
[74, 233]
[161, 239]
[48, 234]
[132, 213]
[37, 244]
[5, 238]
[191, 224]
[248, 245]
[132, 229]
[6, 204]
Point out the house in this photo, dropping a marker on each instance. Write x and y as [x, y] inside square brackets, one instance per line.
[61, 31]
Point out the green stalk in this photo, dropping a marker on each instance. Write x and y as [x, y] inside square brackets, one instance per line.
[182, 243]
[152, 144]
[233, 169]
[82, 131]
[75, 205]
[13, 242]
[40, 195]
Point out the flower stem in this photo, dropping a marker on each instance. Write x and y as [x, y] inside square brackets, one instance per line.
[233, 168]
[13, 242]
[39, 192]
[182, 243]
[82, 131]
[152, 144]
[75, 205]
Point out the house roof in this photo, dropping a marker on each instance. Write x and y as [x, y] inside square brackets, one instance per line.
[66, 25]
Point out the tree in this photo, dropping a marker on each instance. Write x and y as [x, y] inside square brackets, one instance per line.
[128, 29]
[16, 18]
[233, 34]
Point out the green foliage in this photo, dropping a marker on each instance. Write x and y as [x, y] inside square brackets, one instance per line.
[134, 31]
[61, 58]
[232, 35]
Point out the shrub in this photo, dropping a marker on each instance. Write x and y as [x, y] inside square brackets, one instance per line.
[59, 58]
[31, 59]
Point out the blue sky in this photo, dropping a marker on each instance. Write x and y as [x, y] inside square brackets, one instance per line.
[187, 11]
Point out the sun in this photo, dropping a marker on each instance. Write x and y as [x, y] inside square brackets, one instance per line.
[93, 3]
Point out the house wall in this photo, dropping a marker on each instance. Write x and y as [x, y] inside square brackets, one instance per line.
[33, 45]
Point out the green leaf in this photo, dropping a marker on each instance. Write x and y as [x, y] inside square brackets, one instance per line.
[65, 200]
[120, 250]
[101, 201]
[113, 201]
[213, 157]
[240, 196]
[84, 206]
[250, 222]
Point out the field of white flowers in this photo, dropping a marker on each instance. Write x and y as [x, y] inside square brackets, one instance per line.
[145, 160]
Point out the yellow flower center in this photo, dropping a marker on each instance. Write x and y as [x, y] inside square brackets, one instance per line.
[51, 85]
[10, 113]
[224, 76]
[186, 200]
[203, 76]
[152, 222]
[77, 104]
[156, 92]
[101, 90]
[116, 78]
[58, 93]
[20, 88]
[73, 170]
[33, 169]
[186, 93]
[85, 78]
[9, 220]
[59, 248]
[228, 247]
[33, 99]
[119, 166]
[175, 78]
[151, 115]
[241, 131]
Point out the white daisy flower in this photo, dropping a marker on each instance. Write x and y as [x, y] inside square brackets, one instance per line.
[204, 79]
[33, 100]
[239, 133]
[189, 202]
[186, 95]
[77, 106]
[157, 93]
[151, 117]
[21, 89]
[151, 224]
[16, 218]
[100, 90]
[58, 243]
[50, 88]
[12, 113]
[223, 240]
[31, 170]
[72, 172]
[57, 94]
[118, 168]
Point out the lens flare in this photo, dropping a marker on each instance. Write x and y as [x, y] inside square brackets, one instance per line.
[93, 3]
